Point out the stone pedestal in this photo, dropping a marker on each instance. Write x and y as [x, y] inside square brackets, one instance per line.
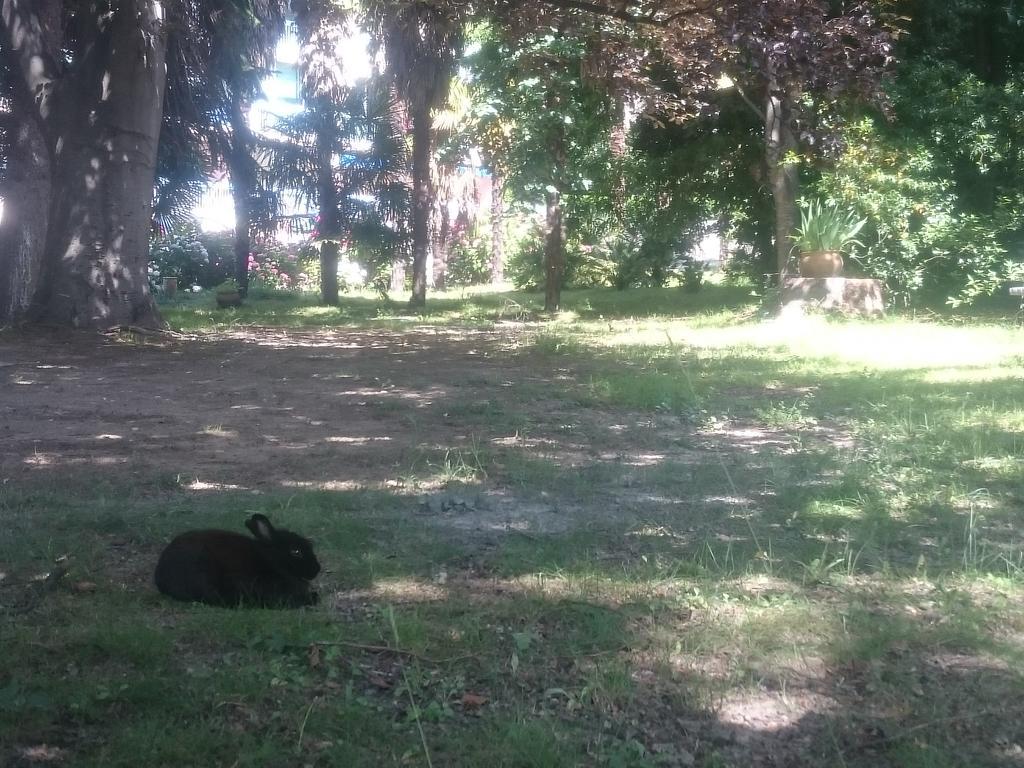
[852, 296]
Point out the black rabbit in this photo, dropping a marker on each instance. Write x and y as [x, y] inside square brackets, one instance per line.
[230, 569]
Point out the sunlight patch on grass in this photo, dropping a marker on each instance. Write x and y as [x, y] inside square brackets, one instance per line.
[889, 345]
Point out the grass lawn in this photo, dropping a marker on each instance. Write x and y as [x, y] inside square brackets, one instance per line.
[658, 529]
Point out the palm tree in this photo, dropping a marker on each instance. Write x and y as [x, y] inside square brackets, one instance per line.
[241, 35]
[495, 136]
[218, 52]
[454, 138]
[421, 43]
[347, 158]
[344, 153]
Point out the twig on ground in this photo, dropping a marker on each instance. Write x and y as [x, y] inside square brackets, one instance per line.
[396, 651]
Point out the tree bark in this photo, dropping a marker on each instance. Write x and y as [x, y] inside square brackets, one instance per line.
[242, 169]
[330, 216]
[783, 175]
[554, 231]
[421, 204]
[26, 196]
[497, 227]
[554, 251]
[33, 38]
[103, 119]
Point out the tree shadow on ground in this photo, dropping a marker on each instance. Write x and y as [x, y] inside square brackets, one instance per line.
[742, 589]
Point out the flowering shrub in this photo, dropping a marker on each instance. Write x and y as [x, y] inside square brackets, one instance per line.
[182, 253]
[275, 267]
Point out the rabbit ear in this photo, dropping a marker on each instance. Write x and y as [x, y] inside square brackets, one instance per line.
[260, 527]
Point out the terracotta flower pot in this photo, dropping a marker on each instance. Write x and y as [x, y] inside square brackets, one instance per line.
[229, 299]
[170, 287]
[821, 264]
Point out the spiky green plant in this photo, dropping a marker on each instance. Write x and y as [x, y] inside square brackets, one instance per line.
[826, 228]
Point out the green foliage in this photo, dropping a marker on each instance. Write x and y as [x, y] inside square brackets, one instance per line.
[693, 276]
[586, 266]
[826, 228]
[469, 261]
[917, 239]
[646, 258]
[589, 266]
[307, 280]
[228, 286]
[525, 266]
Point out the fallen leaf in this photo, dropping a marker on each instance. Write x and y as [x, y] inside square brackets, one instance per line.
[379, 682]
[473, 700]
[44, 754]
[83, 587]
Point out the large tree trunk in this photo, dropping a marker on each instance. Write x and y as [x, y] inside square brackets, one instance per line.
[421, 204]
[329, 250]
[26, 195]
[242, 169]
[29, 35]
[104, 123]
[783, 175]
[497, 227]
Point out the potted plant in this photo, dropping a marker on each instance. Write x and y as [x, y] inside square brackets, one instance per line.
[170, 285]
[823, 233]
[228, 295]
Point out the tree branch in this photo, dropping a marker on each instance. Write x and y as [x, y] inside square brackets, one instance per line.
[652, 20]
[746, 99]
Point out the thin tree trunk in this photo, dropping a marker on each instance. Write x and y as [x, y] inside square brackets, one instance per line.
[104, 121]
[421, 205]
[330, 224]
[242, 169]
[783, 175]
[497, 227]
[554, 234]
[554, 251]
[617, 142]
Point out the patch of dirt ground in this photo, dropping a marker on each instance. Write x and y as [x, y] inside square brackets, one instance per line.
[267, 410]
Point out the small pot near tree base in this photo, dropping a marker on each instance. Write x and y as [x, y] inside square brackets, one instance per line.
[228, 294]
